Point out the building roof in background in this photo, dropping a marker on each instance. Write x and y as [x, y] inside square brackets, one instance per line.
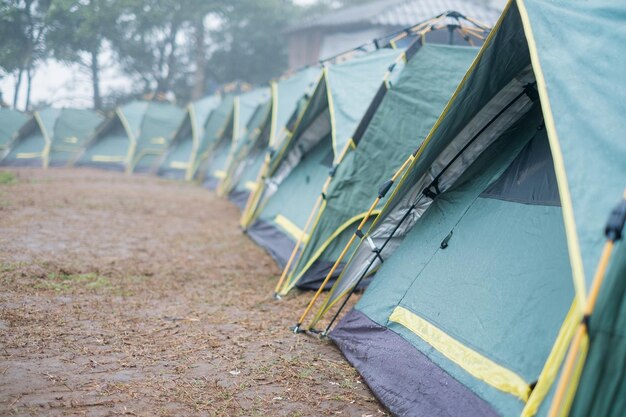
[399, 13]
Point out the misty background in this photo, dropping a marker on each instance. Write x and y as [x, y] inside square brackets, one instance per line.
[98, 53]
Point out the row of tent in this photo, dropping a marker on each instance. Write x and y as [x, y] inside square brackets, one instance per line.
[467, 189]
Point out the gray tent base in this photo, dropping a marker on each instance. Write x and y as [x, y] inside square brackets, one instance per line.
[403, 379]
[279, 246]
[239, 198]
[23, 163]
[276, 243]
[211, 183]
[172, 174]
[102, 165]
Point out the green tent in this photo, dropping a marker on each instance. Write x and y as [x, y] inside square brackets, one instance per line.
[10, 123]
[257, 127]
[219, 149]
[133, 136]
[486, 248]
[214, 128]
[158, 128]
[297, 170]
[177, 162]
[406, 113]
[52, 137]
[267, 126]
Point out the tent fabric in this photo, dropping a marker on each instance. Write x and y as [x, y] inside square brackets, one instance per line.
[270, 131]
[214, 128]
[404, 117]
[485, 271]
[220, 146]
[224, 131]
[257, 126]
[589, 146]
[178, 159]
[53, 137]
[158, 128]
[72, 130]
[497, 267]
[11, 121]
[132, 136]
[602, 389]
[321, 137]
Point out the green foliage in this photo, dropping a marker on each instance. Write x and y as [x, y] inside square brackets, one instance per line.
[251, 43]
[179, 46]
[7, 178]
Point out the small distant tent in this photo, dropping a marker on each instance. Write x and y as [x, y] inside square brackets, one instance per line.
[52, 137]
[486, 249]
[257, 127]
[10, 123]
[178, 159]
[214, 128]
[219, 150]
[132, 136]
[266, 130]
[293, 177]
[158, 129]
[405, 115]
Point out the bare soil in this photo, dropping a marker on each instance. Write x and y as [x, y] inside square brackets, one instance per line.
[140, 296]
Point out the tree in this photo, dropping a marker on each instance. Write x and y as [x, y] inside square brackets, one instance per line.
[78, 30]
[23, 26]
[251, 45]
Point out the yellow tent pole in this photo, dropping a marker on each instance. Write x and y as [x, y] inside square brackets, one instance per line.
[346, 248]
[294, 252]
[316, 207]
[560, 400]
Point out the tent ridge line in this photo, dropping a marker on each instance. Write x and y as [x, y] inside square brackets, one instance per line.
[573, 245]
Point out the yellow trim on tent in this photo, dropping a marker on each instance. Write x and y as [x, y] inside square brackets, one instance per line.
[250, 186]
[328, 241]
[290, 228]
[108, 158]
[285, 144]
[195, 140]
[131, 136]
[219, 174]
[224, 185]
[553, 363]
[290, 282]
[179, 165]
[29, 155]
[573, 245]
[158, 141]
[252, 205]
[45, 155]
[200, 166]
[471, 361]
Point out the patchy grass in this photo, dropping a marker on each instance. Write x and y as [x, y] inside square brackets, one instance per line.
[61, 282]
[7, 178]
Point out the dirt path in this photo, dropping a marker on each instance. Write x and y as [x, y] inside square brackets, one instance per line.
[140, 296]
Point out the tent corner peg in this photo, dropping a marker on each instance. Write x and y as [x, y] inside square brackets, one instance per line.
[277, 296]
[297, 329]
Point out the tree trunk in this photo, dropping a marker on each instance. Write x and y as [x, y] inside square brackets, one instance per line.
[200, 57]
[95, 79]
[18, 85]
[29, 79]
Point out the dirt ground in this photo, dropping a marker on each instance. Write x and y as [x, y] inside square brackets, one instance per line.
[140, 296]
